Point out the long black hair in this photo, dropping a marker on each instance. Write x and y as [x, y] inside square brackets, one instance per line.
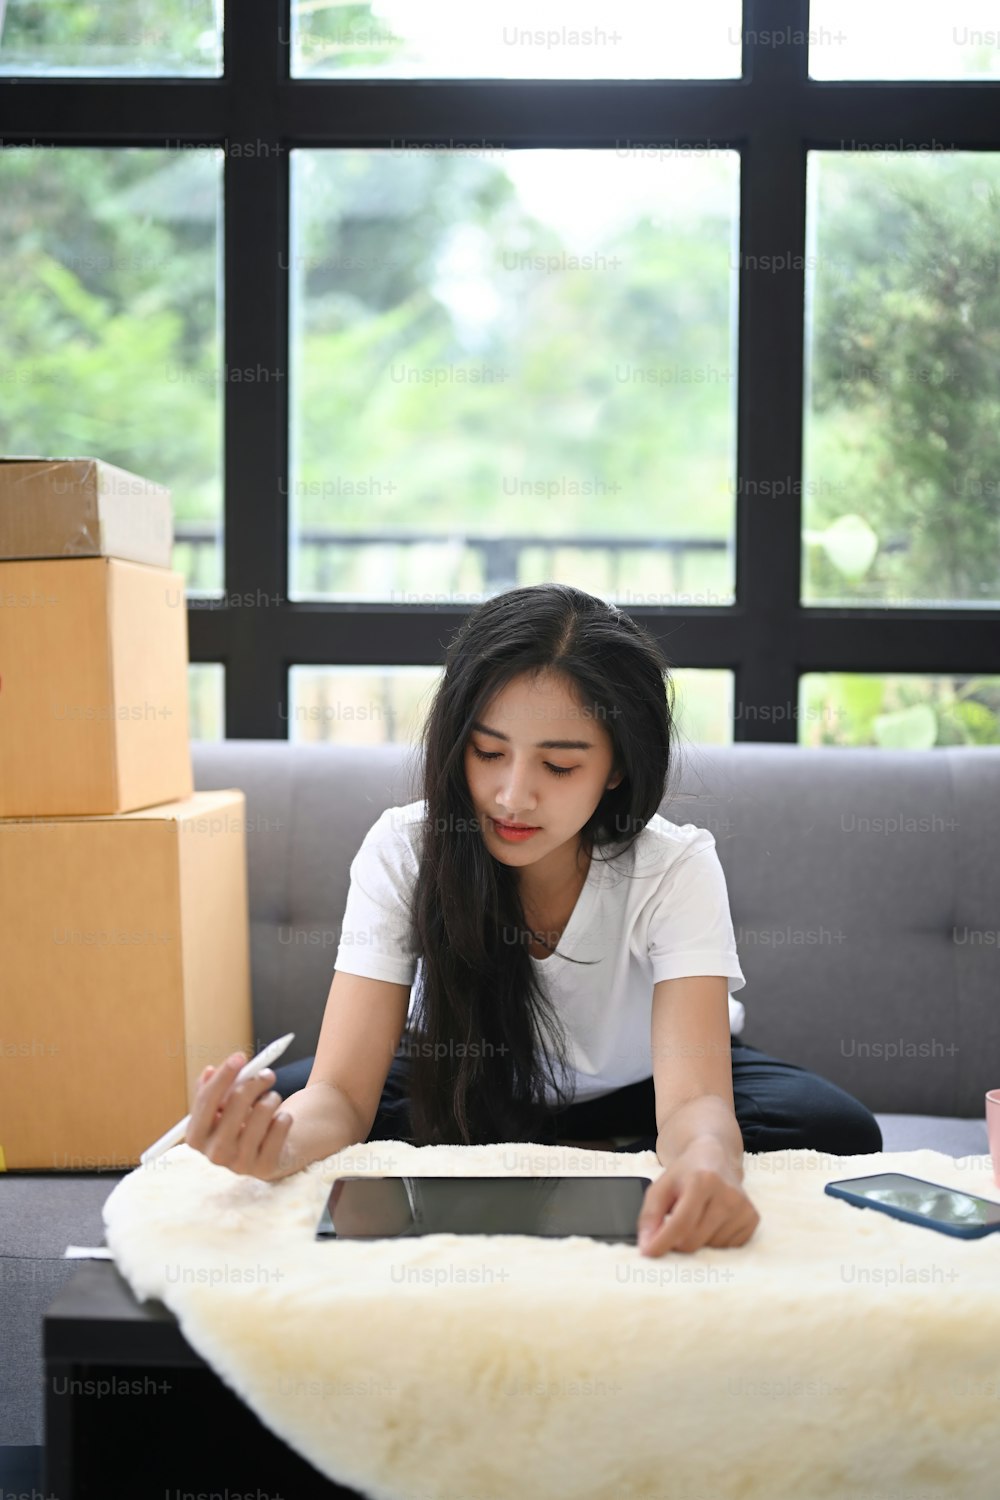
[480, 1063]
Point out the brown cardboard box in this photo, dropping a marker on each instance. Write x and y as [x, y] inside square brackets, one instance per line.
[93, 687]
[82, 507]
[124, 951]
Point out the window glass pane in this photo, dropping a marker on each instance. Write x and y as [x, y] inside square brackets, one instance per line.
[359, 705]
[113, 38]
[109, 320]
[520, 39]
[902, 712]
[703, 706]
[904, 39]
[511, 370]
[902, 424]
[207, 700]
[385, 705]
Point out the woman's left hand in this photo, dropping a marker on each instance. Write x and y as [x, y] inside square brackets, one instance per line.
[703, 1199]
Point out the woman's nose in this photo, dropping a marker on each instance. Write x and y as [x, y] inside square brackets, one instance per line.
[515, 794]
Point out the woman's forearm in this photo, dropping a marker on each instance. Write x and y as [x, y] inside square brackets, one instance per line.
[323, 1121]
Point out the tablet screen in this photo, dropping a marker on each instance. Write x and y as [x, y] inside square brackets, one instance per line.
[603, 1208]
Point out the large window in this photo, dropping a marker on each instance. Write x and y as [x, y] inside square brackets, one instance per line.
[407, 304]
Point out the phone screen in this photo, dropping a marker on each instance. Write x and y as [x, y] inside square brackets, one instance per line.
[394, 1207]
[929, 1199]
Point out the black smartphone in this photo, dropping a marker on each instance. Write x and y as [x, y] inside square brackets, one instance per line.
[602, 1208]
[919, 1202]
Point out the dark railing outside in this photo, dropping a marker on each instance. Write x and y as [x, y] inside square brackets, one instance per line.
[500, 556]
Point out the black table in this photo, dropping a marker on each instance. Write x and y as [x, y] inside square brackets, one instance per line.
[133, 1413]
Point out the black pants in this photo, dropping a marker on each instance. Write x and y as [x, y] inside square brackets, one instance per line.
[779, 1106]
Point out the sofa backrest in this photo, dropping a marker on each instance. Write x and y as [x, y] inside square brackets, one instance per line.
[864, 887]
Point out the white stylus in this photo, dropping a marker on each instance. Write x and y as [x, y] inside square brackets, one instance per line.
[256, 1065]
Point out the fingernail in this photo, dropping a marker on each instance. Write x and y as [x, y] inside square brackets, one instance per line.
[645, 1235]
[235, 1058]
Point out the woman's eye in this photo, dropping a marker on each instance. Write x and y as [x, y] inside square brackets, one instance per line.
[495, 755]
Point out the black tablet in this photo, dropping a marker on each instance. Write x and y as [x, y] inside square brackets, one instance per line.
[367, 1208]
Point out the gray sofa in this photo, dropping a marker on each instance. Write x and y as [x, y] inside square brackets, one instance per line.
[865, 892]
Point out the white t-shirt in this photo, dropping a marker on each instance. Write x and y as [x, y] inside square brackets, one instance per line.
[659, 911]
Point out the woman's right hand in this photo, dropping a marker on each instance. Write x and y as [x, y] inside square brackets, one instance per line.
[238, 1128]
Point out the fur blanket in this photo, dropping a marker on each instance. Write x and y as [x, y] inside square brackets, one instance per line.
[838, 1355]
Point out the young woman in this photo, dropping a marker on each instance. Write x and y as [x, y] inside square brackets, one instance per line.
[530, 952]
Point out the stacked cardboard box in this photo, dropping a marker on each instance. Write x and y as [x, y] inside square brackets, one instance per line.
[124, 949]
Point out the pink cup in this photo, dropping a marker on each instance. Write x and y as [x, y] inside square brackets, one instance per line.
[993, 1130]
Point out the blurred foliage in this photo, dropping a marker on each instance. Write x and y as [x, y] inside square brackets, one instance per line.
[176, 37]
[904, 712]
[108, 315]
[904, 435]
[550, 360]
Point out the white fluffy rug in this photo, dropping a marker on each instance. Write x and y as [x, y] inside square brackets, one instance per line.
[838, 1355]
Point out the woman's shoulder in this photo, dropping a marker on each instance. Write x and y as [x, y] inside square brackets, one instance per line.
[661, 844]
[637, 871]
[399, 827]
[388, 857]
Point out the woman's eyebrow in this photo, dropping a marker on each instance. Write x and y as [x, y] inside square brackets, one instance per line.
[539, 744]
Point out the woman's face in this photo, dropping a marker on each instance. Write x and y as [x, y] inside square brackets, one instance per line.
[547, 764]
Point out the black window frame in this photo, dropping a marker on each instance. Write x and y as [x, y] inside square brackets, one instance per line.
[773, 116]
